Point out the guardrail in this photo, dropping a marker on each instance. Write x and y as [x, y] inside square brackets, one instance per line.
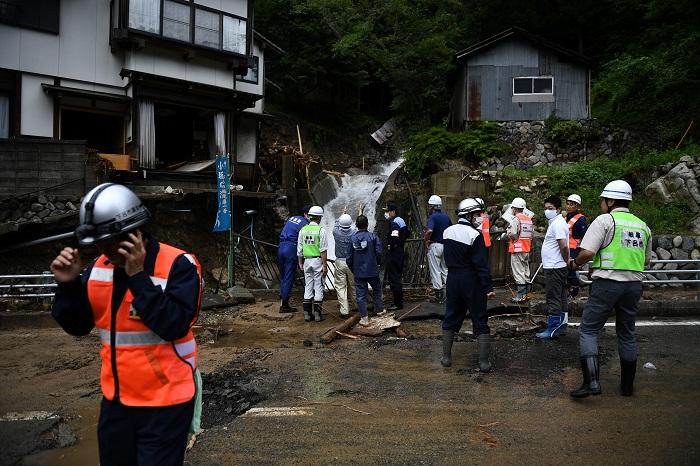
[695, 271]
[27, 286]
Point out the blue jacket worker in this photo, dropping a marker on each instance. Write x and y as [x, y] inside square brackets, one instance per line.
[395, 253]
[287, 256]
[364, 263]
[468, 282]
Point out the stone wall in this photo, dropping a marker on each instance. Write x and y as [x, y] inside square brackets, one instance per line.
[41, 208]
[532, 148]
[670, 247]
[679, 183]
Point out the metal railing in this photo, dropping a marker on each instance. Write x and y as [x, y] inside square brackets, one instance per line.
[688, 272]
[27, 286]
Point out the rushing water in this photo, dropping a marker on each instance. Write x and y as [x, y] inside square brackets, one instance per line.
[353, 191]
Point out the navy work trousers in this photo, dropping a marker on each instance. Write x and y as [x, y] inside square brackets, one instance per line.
[131, 436]
[361, 290]
[394, 270]
[465, 293]
[287, 261]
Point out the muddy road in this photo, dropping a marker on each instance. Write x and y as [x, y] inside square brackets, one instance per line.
[274, 395]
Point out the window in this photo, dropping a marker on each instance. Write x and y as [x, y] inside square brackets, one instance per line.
[533, 85]
[32, 14]
[211, 29]
[4, 116]
[252, 75]
[176, 21]
[234, 35]
[144, 15]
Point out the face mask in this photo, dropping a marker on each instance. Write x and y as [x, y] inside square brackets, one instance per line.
[551, 214]
[477, 221]
[387, 216]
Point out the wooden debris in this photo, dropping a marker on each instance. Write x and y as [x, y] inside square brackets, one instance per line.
[347, 335]
[334, 173]
[193, 439]
[407, 313]
[367, 331]
[401, 333]
[332, 333]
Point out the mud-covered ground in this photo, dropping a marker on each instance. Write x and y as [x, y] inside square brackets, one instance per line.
[275, 395]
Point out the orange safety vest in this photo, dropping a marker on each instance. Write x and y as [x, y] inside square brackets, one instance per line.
[524, 241]
[573, 242]
[149, 370]
[485, 227]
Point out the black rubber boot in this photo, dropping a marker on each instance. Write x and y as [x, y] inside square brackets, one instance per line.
[307, 310]
[628, 369]
[448, 337]
[318, 317]
[591, 373]
[485, 342]
[286, 308]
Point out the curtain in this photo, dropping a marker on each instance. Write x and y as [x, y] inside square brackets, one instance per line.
[219, 134]
[145, 15]
[147, 135]
[4, 116]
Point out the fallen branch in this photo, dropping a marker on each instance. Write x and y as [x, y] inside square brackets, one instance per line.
[347, 335]
[334, 173]
[407, 313]
[337, 404]
[331, 334]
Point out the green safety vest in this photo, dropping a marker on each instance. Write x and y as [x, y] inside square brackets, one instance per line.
[627, 250]
[311, 240]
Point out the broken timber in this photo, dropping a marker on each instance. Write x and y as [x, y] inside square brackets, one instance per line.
[332, 333]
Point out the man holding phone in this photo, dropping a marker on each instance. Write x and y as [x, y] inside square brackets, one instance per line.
[144, 297]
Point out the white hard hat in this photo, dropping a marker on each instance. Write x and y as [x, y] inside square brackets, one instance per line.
[108, 210]
[435, 200]
[574, 198]
[617, 189]
[468, 206]
[345, 221]
[316, 211]
[518, 203]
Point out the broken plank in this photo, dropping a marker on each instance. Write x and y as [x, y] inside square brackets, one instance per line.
[331, 334]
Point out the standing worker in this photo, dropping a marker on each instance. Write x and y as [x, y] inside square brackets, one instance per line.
[577, 229]
[312, 253]
[620, 245]
[395, 254]
[287, 256]
[344, 281]
[555, 260]
[468, 283]
[520, 232]
[364, 263]
[438, 221]
[143, 296]
[485, 225]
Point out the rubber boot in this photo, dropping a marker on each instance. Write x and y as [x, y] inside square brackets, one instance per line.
[318, 317]
[553, 324]
[628, 369]
[563, 324]
[590, 369]
[484, 341]
[286, 308]
[307, 310]
[448, 337]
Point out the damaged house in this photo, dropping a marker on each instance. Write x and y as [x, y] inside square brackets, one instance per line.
[516, 76]
[156, 87]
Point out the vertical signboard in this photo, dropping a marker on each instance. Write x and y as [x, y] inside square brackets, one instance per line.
[223, 216]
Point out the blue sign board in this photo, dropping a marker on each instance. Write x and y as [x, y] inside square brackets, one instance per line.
[223, 216]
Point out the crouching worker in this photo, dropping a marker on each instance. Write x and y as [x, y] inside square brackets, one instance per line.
[364, 263]
[143, 296]
[468, 283]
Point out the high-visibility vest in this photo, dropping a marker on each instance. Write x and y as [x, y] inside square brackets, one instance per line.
[311, 240]
[627, 250]
[574, 243]
[485, 227]
[138, 366]
[524, 241]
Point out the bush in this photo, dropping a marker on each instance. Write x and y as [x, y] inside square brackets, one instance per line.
[565, 133]
[436, 143]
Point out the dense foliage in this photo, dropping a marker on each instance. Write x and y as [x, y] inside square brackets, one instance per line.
[434, 144]
[396, 57]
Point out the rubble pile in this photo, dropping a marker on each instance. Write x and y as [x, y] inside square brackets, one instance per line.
[228, 393]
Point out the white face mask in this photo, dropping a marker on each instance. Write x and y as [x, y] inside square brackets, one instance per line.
[477, 221]
[387, 216]
[551, 214]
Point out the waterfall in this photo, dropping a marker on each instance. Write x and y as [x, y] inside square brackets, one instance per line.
[353, 191]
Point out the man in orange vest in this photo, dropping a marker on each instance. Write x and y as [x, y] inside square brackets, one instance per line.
[143, 296]
[577, 229]
[485, 227]
[520, 232]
